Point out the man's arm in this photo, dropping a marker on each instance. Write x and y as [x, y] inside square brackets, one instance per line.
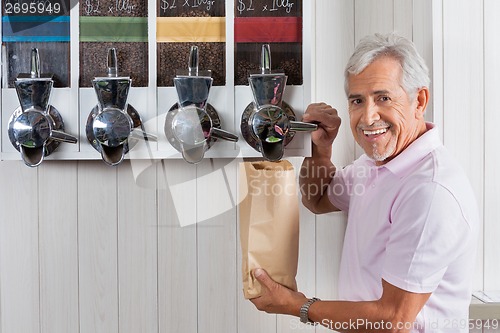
[317, 171]
[395, 311]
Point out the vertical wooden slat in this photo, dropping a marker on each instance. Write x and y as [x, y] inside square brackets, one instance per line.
[437, 65]
[340, 30]
[216, 246]
[335, 43]
[306, 274]
[137, 251]
[464, 93]
[249, 318]
[177, 257]
[491, 157]
[58, 239]
[403, 18]
[19, 267]
[97, 240]
[422, 37]
[373, 16]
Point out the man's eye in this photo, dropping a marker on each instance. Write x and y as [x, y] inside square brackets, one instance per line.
[356, 101]
[384, 98]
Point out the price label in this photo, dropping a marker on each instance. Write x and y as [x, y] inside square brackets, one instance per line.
[114, 8]
[35, 7]
[269, 7]
[170, 8]
[170, 5]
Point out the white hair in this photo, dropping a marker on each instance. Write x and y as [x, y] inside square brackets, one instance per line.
[370, 48]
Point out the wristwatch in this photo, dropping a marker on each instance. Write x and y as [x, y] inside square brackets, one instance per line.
[304, 310]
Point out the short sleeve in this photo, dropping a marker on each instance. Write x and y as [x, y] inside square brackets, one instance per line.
[339, 189]
[428, 231]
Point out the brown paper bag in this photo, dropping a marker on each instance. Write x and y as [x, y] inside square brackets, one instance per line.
[269, 223]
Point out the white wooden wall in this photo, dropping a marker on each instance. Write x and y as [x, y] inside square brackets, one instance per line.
[85, 248]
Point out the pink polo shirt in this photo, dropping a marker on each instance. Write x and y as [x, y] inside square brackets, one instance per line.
[412, 222]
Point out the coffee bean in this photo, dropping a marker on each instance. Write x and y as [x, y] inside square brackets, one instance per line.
[175, 56]
[285, 57]
[132, 56]
[132, 61]
[54, 59]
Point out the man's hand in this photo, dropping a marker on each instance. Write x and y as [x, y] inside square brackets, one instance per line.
[317, 171]
[328, 122]
[277, 298]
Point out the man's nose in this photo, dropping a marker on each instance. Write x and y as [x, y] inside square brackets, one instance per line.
[370, 114]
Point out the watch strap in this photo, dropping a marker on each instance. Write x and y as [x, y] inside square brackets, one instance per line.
[304, 310]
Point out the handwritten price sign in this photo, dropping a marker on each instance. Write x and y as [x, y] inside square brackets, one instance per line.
[95, 7]
[279, 6]
[166, 5]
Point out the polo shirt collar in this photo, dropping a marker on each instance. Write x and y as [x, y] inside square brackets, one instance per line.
[415, 152]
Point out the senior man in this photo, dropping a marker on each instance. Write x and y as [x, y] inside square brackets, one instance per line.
[410, 242]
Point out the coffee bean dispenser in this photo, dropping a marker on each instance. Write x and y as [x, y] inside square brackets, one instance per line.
[113, 125]
[192, 125]
[268, 123]
[36, 128]
[151, 110]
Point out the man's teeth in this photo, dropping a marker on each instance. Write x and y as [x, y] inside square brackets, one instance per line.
[379, 131]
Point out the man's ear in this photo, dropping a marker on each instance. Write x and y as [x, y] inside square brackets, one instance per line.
[422, 99]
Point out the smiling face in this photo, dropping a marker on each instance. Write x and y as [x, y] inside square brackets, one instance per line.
[384, 118]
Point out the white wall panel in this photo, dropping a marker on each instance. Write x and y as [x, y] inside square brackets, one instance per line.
[373, 16]
[463, 97]
[249, 319]
[137, 252]
[335, 42]
[422, 29]
[177, 256]
[97, 247]
[491, 156]
[58, 244]
[403, 17]
[306, 274]
[216, 246]
[19, 271]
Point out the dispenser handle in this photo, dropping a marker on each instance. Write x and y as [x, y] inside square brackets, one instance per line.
[142, 135]
[62, 137]
[224, 135]
[300, 126]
